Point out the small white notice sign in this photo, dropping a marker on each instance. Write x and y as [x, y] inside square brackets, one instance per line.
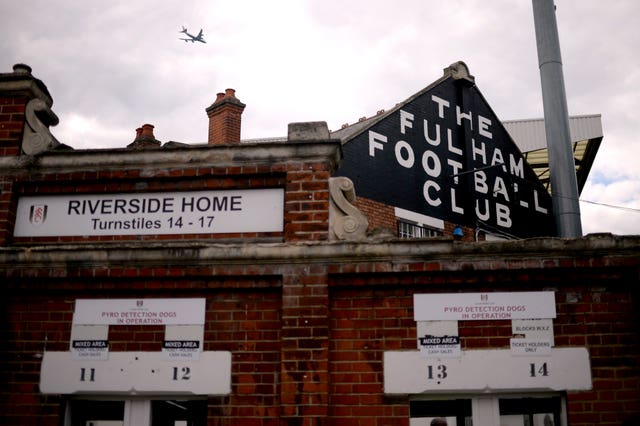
[89, 342]
[533, 328]
[183, 342]
[530, 347]
[181, 349]
[90, 349]
[532, 337]
[438, 339]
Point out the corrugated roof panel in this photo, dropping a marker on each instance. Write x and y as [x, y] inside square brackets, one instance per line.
[530, 135]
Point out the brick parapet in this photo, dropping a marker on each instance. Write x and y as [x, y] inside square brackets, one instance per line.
[305, 182]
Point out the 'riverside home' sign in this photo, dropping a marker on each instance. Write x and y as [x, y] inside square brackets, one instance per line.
[193, 212]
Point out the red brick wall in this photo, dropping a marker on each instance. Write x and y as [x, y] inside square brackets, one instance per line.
[365, 322]
[383, 216]
[371, 316]
[306, 196]
[307, 202]
[12, 121]
[246, 322]
[379, 215]
[307, 340]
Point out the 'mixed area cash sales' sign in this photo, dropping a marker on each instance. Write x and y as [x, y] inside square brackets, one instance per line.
[192, 212]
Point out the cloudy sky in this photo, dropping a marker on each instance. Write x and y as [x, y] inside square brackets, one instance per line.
[113, 66]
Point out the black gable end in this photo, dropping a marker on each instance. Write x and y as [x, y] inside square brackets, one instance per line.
[444, 154]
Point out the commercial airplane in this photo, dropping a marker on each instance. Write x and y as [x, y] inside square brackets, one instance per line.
[192, 38]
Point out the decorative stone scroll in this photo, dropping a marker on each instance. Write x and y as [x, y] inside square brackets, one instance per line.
[346, 222]
[459, 70]
[37, 137]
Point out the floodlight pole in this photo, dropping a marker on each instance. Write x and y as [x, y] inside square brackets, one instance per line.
[564, 185]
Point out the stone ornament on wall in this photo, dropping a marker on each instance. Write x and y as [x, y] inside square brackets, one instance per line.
[37, 137]
[346, 222]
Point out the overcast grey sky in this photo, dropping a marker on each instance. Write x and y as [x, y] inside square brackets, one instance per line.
[113, 66]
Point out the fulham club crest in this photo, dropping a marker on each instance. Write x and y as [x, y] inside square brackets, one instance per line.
[38, 214]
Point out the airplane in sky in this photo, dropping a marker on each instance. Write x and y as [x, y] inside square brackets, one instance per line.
[192, 38]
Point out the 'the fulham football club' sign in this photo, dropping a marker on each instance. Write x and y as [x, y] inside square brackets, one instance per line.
[194, 212]
[445, 154]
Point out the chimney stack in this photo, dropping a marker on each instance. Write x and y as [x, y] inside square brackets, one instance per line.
[225, 118]
[144, 138]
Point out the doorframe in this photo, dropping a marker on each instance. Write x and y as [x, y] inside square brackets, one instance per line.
[137, 409]
[485, 408]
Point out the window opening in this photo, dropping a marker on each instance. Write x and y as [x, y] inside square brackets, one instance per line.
[178, 413]
[156, 412]
[413, 230]
[530, 411]
[488, 410]
[96, 413]
[455, 412]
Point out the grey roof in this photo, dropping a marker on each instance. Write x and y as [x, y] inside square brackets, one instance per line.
[529, 135]
[586, 135]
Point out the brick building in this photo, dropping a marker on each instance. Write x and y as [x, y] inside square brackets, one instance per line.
[237, 284]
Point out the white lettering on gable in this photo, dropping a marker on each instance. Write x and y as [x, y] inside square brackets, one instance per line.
[405, 160]
[463, 116]
[426, 190]
[430, 141]
[483, 127]
[492, 188]
[375, 140]
[406, 121]
[441, 105]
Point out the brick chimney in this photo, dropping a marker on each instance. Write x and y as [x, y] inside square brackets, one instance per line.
[225, 118]
[144, 138]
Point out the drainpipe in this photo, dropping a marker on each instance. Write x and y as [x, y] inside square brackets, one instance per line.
[564, 185]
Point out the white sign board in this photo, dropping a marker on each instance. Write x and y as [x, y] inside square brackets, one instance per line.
[484, 306]
[139, 311]
[438, 339]
[565, 369]
[193, 212]
[532, 337]
[181, 349]
[440, 346]
[89, 342]
[530, 347]
[139, 373]
[182, 342]
[90, 349]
